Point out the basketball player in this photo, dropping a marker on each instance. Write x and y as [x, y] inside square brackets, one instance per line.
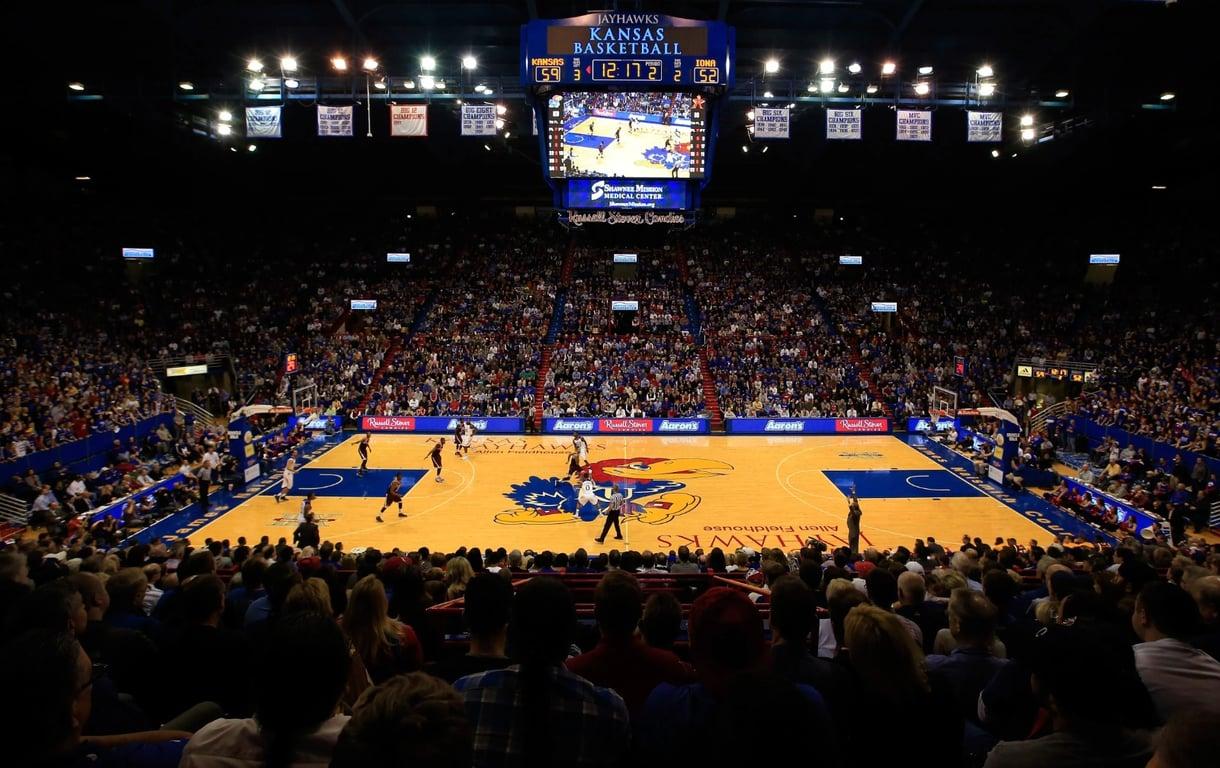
[306, 510]
[618, 133]
[286, 485]
[590, 127]
[581, 446]
[601, 151]
[588, 491]
[458, 431]
[468, 431]
[363, 449]
[573, 464]
[613, 512]
[435, 455]
[393, 495]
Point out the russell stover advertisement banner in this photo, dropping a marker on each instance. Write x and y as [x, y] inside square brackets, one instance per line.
[626, 426]
[440, 424]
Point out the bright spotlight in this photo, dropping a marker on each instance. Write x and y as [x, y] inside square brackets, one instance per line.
[339, 63]
[225, 115]
[1027, 120]
[745, 148]
[291, 82]
[871, 89]
[985, 71]
[1062, 93]
[995, 153]
[508, 135]
[288, 64]
[76, 86]
[254, 65]
[827, 85]
[1159, 187]
[469, 62]
[812, 87]
[427, 82]
[186, 85]
[499, 124]
[440, 85]
[889, 68]
[89, 178]
[925, 70]
[480, 88]
[487, 147]
[987, 89]
[251, 148]
[427, 63]
[922, 89]
[408, 84]
[854, 68]
[501, 109]
[750, 115]
[843, 88]
[1168, 96]
[826, 67]
[772, 66]
[379, 85]
[256, 84]
[369, 64]
[1027, 134]
[488, 91]
[768, 95]
[224, 129]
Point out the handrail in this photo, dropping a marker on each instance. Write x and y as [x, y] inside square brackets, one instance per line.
[182, 405]
[13, 509]
[1038, 421]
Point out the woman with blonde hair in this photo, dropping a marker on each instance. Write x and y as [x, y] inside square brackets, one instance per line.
[458, 574]
[386, 646]
[922, 725]
[310, 595]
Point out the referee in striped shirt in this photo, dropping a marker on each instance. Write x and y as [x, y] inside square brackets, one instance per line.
[613, 513]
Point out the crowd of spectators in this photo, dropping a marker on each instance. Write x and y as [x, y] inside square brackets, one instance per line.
[258, 653]
[599, 368]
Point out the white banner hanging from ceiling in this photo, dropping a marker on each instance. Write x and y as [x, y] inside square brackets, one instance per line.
[334, 121]
[478, 119]
[984, 126]
[914, 125]
[844, 123]
[771, 122]
[408, 119]
[263, 122]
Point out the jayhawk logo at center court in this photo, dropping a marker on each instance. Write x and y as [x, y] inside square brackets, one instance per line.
[653, 488]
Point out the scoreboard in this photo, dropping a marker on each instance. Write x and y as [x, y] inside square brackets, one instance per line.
[612, 48]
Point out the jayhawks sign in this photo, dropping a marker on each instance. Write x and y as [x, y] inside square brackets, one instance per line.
[655, 490]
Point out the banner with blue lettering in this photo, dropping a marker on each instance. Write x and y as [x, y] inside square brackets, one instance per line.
[263, 122]
[984, 126]
[914, 125]
[478, 119]
[334, 121]
[593, 425]
[771, 122]
[612, 193]
[440, 424]
[779, 426]
[844, 124]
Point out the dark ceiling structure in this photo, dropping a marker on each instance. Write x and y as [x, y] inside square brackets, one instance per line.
[1114, 137]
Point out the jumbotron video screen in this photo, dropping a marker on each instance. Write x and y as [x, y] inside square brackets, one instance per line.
[630, 135]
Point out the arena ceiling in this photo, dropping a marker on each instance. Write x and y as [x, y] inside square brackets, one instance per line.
[1113, 56]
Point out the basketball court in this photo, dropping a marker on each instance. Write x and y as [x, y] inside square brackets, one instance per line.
[704, 492]
[627, 150]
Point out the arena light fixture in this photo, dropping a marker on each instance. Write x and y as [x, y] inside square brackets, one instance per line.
[291, 82]
[288, 63]
[843, 88]
[925, 70]
[408, 84]
[499, 124]
[854, 68]
[889, 68]
[427, 82]
[224, 129]
[745, 148]
[488, 91]
[1154, 186]
[768, 95]
[379, 85]
[186, 85]
[75, 86]
[871, 89]
[251, 148]
[1062, 93]
[986, 89]
[1027, 120]
[827, 84]
[772, 66]
[480, 88]
[440, 85]
[765, 148]
[87, 178]
[225, 115]
[750, 115]
[508, 134]
[501, 109]
[370, 64]
[427, 63]
[338, 63]
[469, 62]
[812, 87]
[254, 65]
[487, 147]
[995, 153]
[985, 71]
[1168, 96]
[1027, 134]
[232, 149]
[826, 66]
[792, 105]
[922, 88]
[256, 84]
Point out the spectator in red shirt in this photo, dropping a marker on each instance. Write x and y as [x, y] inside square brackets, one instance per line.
[621, 660]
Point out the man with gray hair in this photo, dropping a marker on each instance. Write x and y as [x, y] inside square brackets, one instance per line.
[914, 606]
[972, 664]
[964, 562]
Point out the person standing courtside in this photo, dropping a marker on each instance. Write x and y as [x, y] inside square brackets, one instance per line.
[853, 523]
[363, 449]
[613, 513]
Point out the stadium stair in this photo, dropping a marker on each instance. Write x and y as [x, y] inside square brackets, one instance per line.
[395, 348]
[694, 326]
[552, 335]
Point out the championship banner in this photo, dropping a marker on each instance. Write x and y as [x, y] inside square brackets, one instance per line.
[408, 119]
[914, 125]
[263, 122]
[771, 122]
[440, 424]
[334, 121]
[984, 126]
[844, 124]
[625, 426]
[478, 119]
[864, 426]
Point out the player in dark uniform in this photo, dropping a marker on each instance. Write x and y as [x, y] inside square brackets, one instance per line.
[573, 464]
[393, 495]
[618, 133]
[435, 455]
[457, 438]
[363, 449]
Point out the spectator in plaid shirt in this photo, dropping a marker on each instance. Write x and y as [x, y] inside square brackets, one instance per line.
[536, 711]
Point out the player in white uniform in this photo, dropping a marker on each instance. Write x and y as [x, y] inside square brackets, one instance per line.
[467, 439]
[581, 446]
[588, 491]
[290, 470]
